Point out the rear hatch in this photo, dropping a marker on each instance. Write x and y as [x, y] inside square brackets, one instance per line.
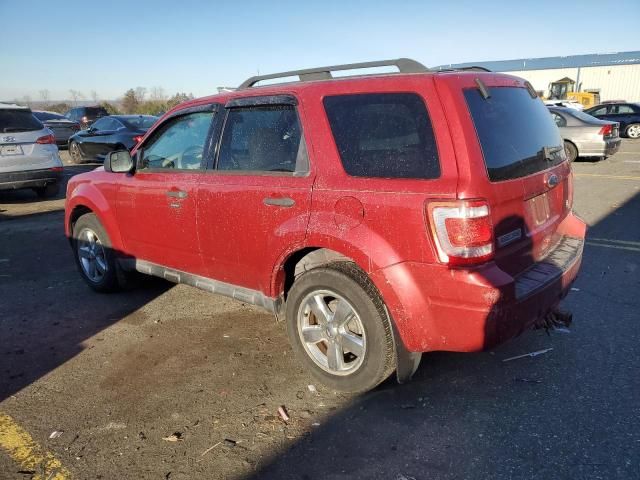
[518, 164]
[19, 132]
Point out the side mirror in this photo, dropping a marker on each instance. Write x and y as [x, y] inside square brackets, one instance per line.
[119, 161]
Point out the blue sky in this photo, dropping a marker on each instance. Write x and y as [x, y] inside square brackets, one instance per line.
[196, 46]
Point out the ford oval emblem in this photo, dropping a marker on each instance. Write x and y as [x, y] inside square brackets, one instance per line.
[553, 180]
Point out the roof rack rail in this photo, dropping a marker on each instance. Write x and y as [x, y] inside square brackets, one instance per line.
[473, 68]
[404, 65]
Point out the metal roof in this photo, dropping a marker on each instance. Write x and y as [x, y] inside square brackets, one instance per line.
[571, 61]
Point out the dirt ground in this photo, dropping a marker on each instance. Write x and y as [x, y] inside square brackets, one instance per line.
[169, 382]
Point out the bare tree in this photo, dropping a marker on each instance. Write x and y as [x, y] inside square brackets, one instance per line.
[157, 94]
[44, 96]
[26, 100]
[94, 96]
[140, 94]
[75, 96]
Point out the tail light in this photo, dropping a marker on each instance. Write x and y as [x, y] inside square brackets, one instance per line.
[606, 130]
[56, 169]
[137, 138]
[46, 139]
[75, 127]
[462, 231]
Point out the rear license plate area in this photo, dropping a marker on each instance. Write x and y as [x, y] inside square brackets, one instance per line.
[11, 150]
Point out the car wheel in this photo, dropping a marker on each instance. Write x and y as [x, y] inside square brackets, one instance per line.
[75, 153]
[48, 191]
[93, 254]
[633, 130]
[339, 328]
[571, 151]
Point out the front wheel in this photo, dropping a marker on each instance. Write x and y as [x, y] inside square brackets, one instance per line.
[75, 153]
[571, 151]
[93, 253]
[633, 130]
[339, 329]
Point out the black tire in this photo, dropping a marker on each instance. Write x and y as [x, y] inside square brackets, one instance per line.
[632, 130]
[48, 191]
[571, 151]
[108, 282]
[353, 285]
[75, 153]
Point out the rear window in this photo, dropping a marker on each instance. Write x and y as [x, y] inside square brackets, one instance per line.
[386, 135]
[18, 121]
[44, 116]
[138, 123]
[517, 135]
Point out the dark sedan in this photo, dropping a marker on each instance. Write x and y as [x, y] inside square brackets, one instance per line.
[62, 127]
[115, 132]
[626, 114]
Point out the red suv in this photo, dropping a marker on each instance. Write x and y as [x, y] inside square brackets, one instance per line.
[382, 215]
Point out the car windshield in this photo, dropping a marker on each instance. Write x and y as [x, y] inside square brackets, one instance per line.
[18, 121]
[139, 123]
[44, 116]
[517, 135]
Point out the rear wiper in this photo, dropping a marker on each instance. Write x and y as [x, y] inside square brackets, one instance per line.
[549, 152]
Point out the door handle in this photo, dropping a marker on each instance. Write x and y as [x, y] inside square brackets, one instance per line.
[177, 194]
[279, 202]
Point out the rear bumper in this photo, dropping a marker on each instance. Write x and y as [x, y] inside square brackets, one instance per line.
[438, 308]
[602, 148]
[29, 179]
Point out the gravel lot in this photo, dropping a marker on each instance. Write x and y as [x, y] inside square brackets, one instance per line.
[119, 374]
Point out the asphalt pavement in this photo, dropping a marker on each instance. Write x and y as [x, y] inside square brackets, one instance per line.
[170, 382]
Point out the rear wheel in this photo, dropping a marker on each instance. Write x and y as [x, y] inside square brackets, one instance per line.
[75, 153]
[339, 329]
[633, 130]
[94, 255]
[48, 191]
[571, 151]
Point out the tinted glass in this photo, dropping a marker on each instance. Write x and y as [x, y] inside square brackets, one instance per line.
[104, 124]
[514, 130]
[385, 135]
[265, 139]
[598, 111]
[95, 112]
[18, 121]
[622, 109]
[44, 116]
[138, 123]
[585, 117]
[560, 122]
[178, 143]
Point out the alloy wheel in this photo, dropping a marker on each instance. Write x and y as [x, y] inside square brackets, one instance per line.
[91, 254]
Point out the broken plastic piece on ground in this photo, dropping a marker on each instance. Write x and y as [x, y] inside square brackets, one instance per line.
[174, 437]
[56, 434]
[530, 354]
[229, 443]
[283, 414]
[312, 388]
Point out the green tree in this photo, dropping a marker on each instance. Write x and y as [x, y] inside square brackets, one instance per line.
[110, 108]
[178, 98]
[130, 102]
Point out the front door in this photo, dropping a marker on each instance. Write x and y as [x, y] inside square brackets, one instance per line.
[254, 207]
[157, 205]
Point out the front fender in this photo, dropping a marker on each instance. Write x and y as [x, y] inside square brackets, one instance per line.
[99, 197]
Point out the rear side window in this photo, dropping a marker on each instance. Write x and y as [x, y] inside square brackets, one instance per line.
[18, 121]
[517, 135]
[386, 135]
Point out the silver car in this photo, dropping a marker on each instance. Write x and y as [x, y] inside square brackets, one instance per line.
[584, 135]
[28, 153]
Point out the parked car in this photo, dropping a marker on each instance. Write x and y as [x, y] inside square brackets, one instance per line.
[115, 132]
[381, 216]
[584, 135]
[626, 114]
[28, 152]
[85, 116]
[60, 125]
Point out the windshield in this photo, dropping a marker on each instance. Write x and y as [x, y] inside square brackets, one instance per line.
[139, 123]
[18, 121]
[517, 135]
[44, 116]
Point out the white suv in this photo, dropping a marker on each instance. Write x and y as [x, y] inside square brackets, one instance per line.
[28, 153]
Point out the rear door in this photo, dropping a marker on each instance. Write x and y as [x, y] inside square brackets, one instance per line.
[517, 162]
[157, 205]
[254, 204]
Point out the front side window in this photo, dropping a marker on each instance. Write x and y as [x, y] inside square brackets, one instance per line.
[105, 124]
[261, 139]
[598, 111]
[178, 143]
[384, 135]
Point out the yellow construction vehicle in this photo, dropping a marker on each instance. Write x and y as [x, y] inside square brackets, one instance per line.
[564, 89]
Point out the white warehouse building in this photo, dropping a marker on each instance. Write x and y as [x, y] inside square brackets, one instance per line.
[614, 76]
